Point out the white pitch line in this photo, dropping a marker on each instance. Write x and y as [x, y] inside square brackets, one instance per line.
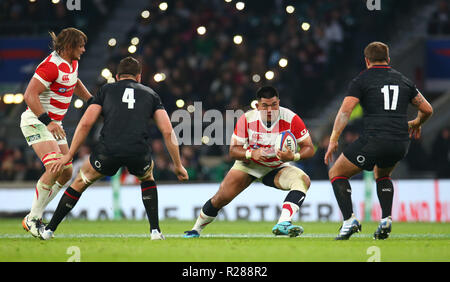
[242, 236]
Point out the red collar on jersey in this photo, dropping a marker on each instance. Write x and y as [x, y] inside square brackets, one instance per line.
[380, 67]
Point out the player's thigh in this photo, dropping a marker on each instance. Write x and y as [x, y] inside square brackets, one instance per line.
[234, 183]
[86, 176]
[43, 148]
[383, 172]
[343, 167]
[140, 166]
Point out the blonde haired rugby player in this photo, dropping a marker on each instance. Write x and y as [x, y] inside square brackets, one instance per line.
[252, 146]
[48, 97]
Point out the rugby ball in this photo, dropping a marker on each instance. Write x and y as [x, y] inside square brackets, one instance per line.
[286, 139]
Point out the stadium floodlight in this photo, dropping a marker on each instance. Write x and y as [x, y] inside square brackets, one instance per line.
[163, 6]
[159, 77]
[111, 80]
[191, 108]
[145, 14]
[256, 78]
[134, 41]
[306, 26]
[78, 103]
[180, 103]
[112, 42]
[201, 30]
[283, 62]
[269, 75]
[32, 1]
[237, 39]
[8, 98]
[205, 139]
[290, 9]
[132, 49]
[228, 1]
[55, 1]
[18, 98]
[106, 73]
[240, 6]
[253, 104]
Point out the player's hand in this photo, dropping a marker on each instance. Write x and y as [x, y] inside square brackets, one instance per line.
[414, 129]
[56, 130]
[59, 164]
[181, 173]
[286, 156]
[260, 154]
[332, 148]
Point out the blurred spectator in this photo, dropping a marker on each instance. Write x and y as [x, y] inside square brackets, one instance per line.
[440, 20]
[440, 154]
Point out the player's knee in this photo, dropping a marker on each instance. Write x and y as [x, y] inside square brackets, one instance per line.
[293, 178]
[332, 173]
[66, 174]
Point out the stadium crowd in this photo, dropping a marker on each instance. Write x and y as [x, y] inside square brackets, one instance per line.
[317, 39]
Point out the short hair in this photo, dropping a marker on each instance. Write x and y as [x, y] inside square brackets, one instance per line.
[129, 66]
[377, 52]
[68, 38]
[266, 92]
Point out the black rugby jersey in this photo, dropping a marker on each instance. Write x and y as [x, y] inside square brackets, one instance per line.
[384, 95]
[127, 107]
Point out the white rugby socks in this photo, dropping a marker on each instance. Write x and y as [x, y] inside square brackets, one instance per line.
[40, 200]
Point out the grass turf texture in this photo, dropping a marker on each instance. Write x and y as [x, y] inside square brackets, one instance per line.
[223, 241]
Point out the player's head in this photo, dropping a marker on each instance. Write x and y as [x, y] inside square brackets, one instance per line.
[70, 43]
[376, 53]
[268, 103]
[128, 68]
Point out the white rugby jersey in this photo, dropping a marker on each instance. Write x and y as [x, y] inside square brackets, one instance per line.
[60, 77]
[253, 132]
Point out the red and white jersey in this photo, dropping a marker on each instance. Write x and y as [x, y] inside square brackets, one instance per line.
[60, 77]
[251, 131]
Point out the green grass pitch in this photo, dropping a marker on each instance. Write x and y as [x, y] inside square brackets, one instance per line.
[222, 241]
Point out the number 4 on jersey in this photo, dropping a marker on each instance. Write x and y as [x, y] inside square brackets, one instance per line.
[385, 90]
[128, 97]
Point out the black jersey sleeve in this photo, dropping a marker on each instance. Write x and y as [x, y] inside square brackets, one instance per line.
[413, 91]
[100, 96]
[354, 88]
[157, 104]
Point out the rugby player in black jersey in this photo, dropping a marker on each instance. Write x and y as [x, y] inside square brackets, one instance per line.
[127, 107]
[384, 95]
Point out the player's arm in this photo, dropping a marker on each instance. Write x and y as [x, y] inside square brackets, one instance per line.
[425, 110]
[81, 132]
[31, 97]
[341, 121]
[82, 92]
[165, 127]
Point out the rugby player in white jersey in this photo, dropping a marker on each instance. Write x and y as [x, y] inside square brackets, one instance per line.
[48, 97]
[253, 148]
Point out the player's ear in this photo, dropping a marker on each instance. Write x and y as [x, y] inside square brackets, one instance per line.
[117, 77]
[138, 78]
[367, 62]
[389, 60]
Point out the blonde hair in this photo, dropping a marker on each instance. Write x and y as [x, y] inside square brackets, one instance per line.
[68, 39]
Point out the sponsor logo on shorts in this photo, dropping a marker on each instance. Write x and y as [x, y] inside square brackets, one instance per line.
[33, 137]
[360, 159]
